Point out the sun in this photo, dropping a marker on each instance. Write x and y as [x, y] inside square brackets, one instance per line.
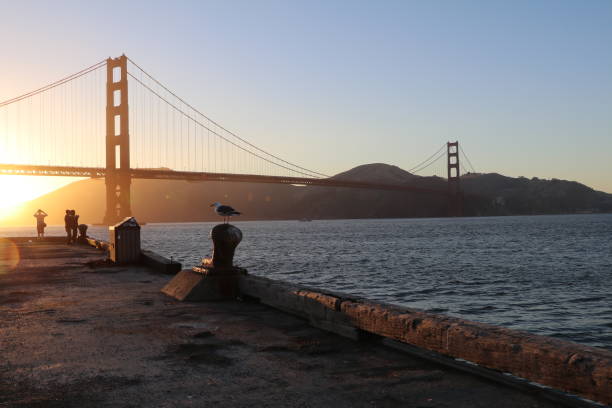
[16, 190]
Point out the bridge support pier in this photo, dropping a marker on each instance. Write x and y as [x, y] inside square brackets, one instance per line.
[118, 177]
[455, 196]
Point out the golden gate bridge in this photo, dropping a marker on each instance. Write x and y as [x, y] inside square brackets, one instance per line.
[90, 124]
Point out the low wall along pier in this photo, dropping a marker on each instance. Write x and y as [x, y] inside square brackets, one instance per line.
[574, 368]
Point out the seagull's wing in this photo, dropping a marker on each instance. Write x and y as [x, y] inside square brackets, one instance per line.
[225, 209]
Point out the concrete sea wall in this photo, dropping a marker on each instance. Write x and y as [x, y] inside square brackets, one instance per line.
[574, 368]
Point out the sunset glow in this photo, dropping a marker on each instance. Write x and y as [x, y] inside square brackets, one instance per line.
[542, 87]
[19, 189]
[292, 203]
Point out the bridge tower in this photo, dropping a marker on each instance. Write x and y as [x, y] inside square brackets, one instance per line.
[118, 176]
[455, 196]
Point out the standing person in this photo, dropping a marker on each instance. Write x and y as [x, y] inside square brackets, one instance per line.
[40, 223]
[75, 226]
[68, 225]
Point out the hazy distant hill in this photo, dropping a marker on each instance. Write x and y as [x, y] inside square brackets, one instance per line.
[168, 201]
[535, 196]
[377, 172]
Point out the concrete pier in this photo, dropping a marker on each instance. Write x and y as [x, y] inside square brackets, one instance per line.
[76, 331]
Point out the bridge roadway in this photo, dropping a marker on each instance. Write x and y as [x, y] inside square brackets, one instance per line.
[163, 174]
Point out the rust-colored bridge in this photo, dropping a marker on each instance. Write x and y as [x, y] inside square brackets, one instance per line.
[57, 126]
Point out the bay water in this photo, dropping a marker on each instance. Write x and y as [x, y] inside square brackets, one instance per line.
[550, 275]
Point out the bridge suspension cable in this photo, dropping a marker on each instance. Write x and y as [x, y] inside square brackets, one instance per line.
[419, 167]
[428, 162]
[63, 124]
[53, 84]
[467, 159]
[440, 166]
[59, 124]
[190, 117]
[250, 148]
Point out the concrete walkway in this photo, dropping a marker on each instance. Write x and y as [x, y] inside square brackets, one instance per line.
[76, 332]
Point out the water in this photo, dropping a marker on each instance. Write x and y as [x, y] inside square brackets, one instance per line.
[549, 275]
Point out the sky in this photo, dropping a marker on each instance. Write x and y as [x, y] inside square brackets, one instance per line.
[525, 86]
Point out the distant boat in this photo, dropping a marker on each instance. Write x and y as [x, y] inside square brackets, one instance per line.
[304, 220]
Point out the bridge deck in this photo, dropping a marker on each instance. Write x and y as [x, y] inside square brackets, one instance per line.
[75, 332]
[98, 172]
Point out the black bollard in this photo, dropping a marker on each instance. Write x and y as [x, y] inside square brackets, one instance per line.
[216, 278]
[225, 239]
[82, 234]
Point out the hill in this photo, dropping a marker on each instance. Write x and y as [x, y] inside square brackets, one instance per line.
[182, 201]
[508, 195]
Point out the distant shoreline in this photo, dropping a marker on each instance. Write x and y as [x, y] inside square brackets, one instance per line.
[238, 220]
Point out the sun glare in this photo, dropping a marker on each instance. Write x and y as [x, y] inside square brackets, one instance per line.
[17, 190]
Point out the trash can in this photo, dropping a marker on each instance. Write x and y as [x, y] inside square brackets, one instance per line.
[125, 241]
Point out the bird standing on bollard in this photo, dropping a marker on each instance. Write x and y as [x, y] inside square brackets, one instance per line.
[224, 211]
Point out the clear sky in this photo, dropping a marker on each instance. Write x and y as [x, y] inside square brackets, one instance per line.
[525, 86]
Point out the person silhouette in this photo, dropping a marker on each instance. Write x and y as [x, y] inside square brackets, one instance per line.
[40, 223]
[68, 225]
[74, 226]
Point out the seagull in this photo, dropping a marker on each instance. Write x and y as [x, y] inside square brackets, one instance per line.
[224, 210]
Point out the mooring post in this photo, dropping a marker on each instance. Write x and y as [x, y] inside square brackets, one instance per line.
[82, 239]
[216, 278]
[226, 238]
